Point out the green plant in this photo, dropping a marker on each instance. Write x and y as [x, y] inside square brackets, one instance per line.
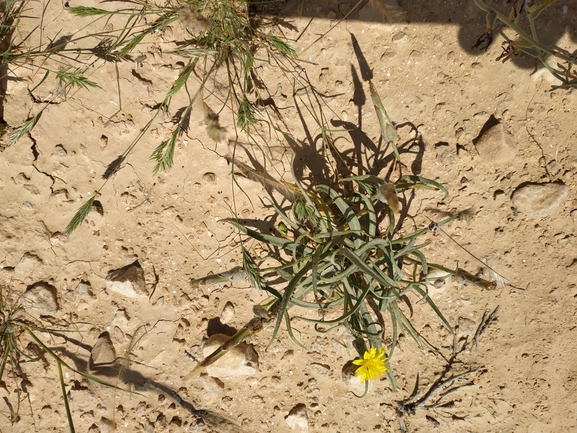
[221, 34]
[340, 252]
[20, 341]
[217, 35]
[528, 43]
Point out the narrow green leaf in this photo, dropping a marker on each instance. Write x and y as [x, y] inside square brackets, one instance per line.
[355, 308]
[281, 46]
[65, 397]
[245, 115]
[67, 76]
[287, 295]
[375, 273]
[388, 131]
[290, 331]
[404, 322]
[273, 240]
[427, 298]
[346, 210]
[371, 228]
[420, 182]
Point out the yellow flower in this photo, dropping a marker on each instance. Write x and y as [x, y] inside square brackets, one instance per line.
[372, 365]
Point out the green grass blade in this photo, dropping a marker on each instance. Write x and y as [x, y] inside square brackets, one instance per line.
[84, 11]
[164, 154]
[404, 322]
[420, 182]
[272, 240]
[24, 128]
[290, 331]
[80, 216]
[346, 210]
[286, 299]
[427, 298]
[355, 308]
[67, 76]
[364, 178]
[423, 261]
[371, 228]
[366, 270]
[65, 397]
[281, 46]
[388, 131]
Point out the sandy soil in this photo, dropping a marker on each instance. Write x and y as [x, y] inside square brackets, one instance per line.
[431, 83]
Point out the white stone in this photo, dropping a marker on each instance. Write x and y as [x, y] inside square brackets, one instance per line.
[352, 381]
[297, 419]
[539, 200]
[227, 313]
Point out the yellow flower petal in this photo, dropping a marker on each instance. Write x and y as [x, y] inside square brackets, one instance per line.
[372, 364]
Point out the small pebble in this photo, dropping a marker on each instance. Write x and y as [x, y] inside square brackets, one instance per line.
[102, 353]
[495, 145]
[128, 281]
[26, 266]
[297, 419]
[41, 298]
[539, 200]
[227, 313]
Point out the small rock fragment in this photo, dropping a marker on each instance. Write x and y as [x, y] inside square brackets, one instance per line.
[242, 360]
[83, 290]
[495, 144]
[297, 419]
[117, 334]
[106, 425]
[227, 312]
[26, 266]
[121, 319]
[466, 326]
[539, 199]
[352, 381]
[128, 281]
[436, 281]
[42, 298]
[319, 368]
[103, 352]
[212, 385]
[69, 296]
